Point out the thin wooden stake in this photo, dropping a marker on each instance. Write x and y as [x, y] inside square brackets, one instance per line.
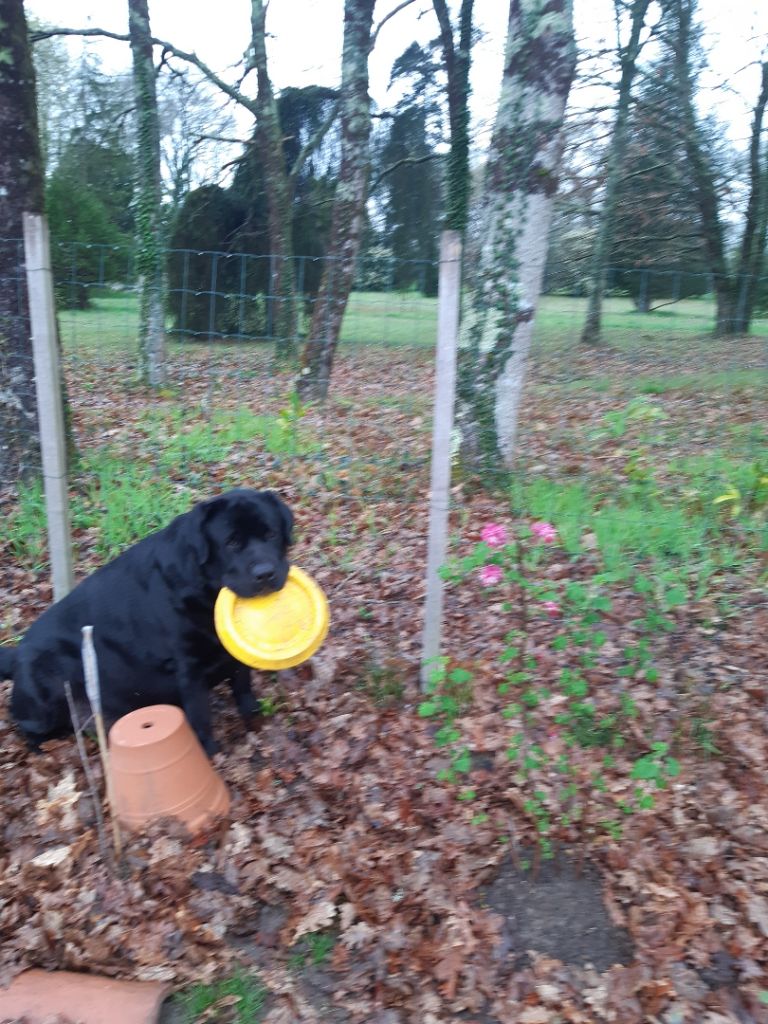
[89, 777]
[91, 669]
[449, 302]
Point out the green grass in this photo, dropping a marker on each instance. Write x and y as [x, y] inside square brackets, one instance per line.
[124, 500]
[699, 382]
[24, 530]
[176, 438]
[314, 948]
[123, 493]
[245, 992]
[407, 318]
[670, 525]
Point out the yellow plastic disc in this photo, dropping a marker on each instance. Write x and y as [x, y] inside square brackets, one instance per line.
[277, 630]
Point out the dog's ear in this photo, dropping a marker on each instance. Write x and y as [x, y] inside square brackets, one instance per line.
[286, 517]
[197, 532]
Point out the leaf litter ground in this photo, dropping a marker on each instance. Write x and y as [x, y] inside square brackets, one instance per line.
[339, 822]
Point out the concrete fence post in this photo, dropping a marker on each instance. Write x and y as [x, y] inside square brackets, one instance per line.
[449, 304]
[50, 406]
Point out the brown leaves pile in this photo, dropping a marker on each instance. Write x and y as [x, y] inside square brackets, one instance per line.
[339, 823]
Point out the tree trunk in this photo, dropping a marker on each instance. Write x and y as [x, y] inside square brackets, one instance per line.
[278, 189]
[457, 64]
[348, 205]
[521, 181]
[21, 190]
[149, 242]
[604, 240]
[752, 249]
[703, 178]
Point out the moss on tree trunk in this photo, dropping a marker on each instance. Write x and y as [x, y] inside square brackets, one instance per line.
[149, 242]
[521, 181]
[21, 191]
[278, 189]
[348, 204]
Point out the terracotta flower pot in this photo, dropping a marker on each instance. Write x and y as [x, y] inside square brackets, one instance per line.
[40, 996]
[159, 770]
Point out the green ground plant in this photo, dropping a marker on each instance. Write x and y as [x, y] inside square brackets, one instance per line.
[315, 948]
[119, 496]
[567, 788]
[382, 679]
[240, 997]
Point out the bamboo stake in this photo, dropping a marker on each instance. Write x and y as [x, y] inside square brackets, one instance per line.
[91, 669]
[90, 780]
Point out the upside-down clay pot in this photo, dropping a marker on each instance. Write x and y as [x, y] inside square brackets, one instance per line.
[39, 996]
[159, 770]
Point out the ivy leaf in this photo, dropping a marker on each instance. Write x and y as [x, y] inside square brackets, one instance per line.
[646, 769]
[460, 675]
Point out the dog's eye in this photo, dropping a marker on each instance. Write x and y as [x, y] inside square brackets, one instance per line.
[232, 543]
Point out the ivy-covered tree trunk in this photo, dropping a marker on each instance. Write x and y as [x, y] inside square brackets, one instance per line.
[278, 188]
[348, 204]
[149, 243]
[616, 155]
[21, 191]
[521, 181]
[457, 60]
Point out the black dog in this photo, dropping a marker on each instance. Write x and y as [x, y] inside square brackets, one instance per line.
[152, 613]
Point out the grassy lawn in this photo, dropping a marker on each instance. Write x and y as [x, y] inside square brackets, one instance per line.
[403, 318]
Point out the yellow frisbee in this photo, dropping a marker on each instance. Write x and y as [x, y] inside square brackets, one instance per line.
[277, 630]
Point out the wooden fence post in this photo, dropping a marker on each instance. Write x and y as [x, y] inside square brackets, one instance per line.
[449, 303]
[50, 408]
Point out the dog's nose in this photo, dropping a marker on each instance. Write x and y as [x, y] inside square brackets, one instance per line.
[263, 574]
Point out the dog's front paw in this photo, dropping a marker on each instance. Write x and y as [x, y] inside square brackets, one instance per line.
[249, 707]
[210, 746]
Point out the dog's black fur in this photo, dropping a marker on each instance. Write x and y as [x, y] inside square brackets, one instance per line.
[152, 613]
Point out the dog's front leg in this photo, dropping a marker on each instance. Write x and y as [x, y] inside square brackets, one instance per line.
[197, 707]
[246, 703]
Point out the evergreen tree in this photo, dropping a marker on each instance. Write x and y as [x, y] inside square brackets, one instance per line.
[657, 237]
[410, 172]
[223, 235]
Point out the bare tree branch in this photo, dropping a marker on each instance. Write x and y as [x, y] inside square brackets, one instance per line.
[385, 19]
[313, 143]
[399, 163]
[191, 58]
[225, 138]
[48, 33]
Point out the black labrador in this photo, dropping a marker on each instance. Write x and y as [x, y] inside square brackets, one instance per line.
[152, 613]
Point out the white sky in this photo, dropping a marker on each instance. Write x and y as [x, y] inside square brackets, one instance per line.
[306, 37]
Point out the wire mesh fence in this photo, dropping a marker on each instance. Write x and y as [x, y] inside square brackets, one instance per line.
[358, 466]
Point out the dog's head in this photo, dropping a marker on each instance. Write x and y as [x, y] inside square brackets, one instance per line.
[242, 540]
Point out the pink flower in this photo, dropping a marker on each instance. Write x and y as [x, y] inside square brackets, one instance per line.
[551, 608]
[544, 531]
[494, 535]
[490, 575]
